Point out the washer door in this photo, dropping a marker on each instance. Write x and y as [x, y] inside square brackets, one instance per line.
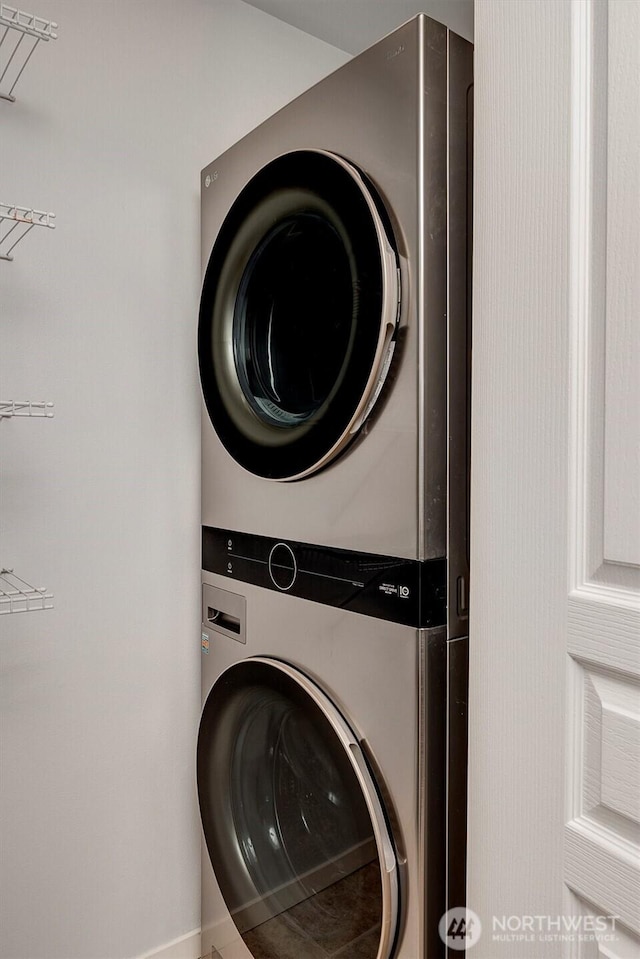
[298, 315]
[292, 819]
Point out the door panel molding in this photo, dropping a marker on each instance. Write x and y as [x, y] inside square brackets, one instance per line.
[602, 832]
[594, 319]
[617, 942]
[603, 629]
[603, 869]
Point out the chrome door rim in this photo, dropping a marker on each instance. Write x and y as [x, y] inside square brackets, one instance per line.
[388, 321]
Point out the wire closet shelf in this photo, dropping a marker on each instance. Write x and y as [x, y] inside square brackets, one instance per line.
[9, 408]
[16, 222]
[20, 34]
[19, 596]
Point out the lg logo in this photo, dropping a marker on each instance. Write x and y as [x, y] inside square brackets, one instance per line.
[391, 54]
[208, 180]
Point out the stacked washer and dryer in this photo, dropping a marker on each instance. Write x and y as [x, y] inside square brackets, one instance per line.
[334, 353]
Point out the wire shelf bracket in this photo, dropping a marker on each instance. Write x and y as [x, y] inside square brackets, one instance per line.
[20, 34]
[9, 408]
[16, 222]
[18, 596]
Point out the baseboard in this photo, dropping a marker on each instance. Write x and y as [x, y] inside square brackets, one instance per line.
[186, 947]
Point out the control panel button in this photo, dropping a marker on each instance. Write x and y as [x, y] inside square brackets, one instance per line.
[283, 568]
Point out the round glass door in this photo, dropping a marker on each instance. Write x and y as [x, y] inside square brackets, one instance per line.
[292, 819]
[298, 315]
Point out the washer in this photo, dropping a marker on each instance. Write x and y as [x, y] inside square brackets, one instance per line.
[333, 320]
[323, 756]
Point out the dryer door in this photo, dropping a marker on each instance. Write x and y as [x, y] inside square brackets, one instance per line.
[292, 819]
[298, 315]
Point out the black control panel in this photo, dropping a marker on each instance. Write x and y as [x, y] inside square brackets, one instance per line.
[403, 591]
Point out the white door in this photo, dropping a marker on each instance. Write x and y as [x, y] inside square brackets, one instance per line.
[555, 621]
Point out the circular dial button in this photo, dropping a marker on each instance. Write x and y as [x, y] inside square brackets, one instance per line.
[283, 568]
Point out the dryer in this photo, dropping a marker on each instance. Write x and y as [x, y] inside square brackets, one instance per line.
[334, 312]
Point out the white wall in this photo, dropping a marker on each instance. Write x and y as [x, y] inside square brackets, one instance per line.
[99, 698]
[354, 25]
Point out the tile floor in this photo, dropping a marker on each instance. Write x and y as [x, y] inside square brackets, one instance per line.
[341, 922]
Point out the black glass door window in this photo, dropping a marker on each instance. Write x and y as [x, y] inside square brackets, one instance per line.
[292, 313]
[292, 839]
